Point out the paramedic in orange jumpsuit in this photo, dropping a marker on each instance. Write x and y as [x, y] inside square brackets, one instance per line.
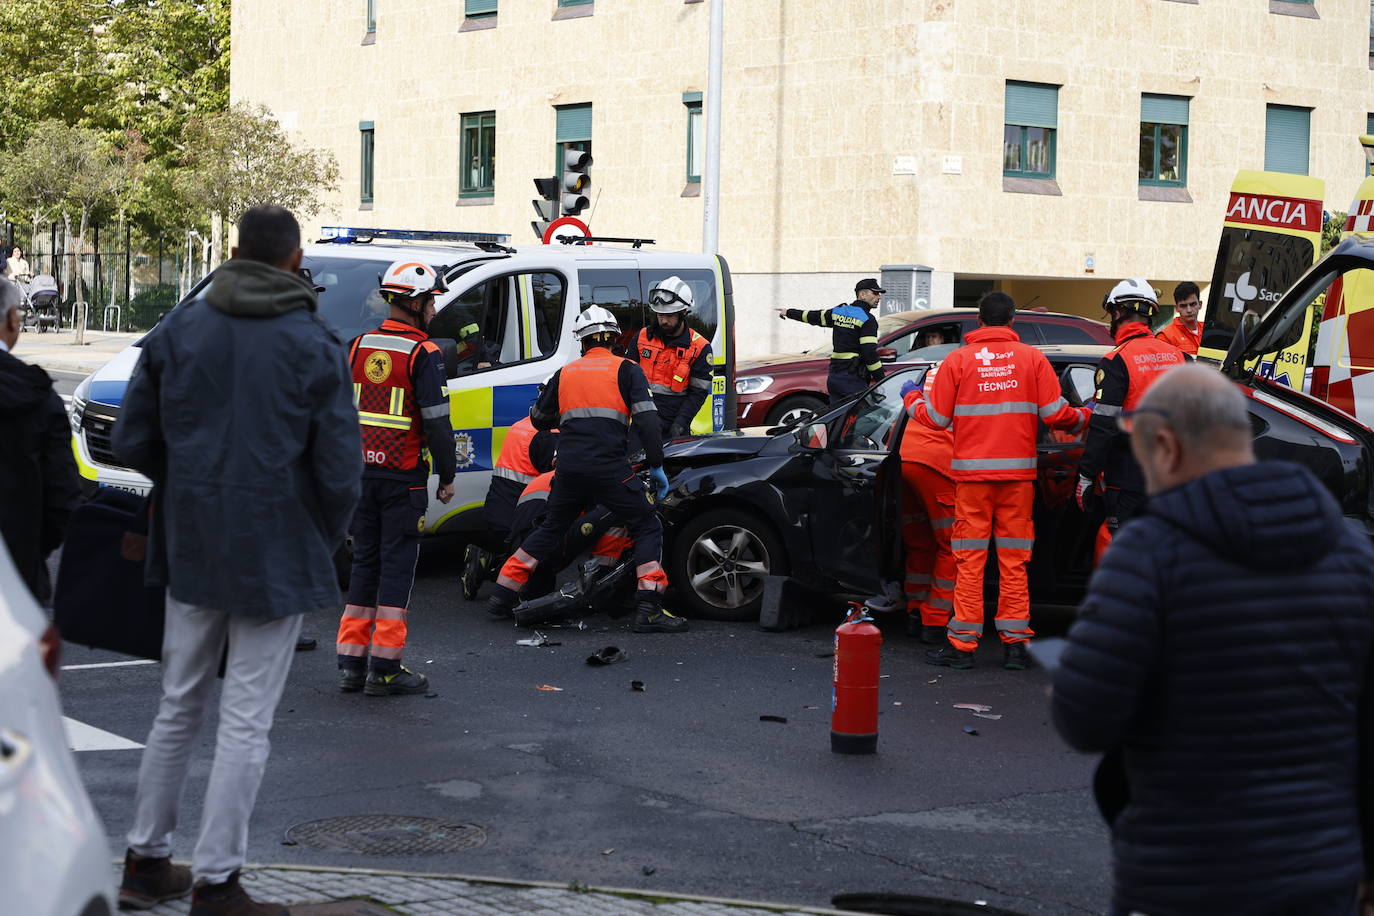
[927, 522]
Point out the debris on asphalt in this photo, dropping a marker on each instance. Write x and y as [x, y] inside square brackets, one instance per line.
[637, 685]
[988, 715]
[810, 707]
[973, 707]
[970, 730]
[430, 696]
[782, 719]
[933, 680]
[648, 869]
[607, 656]
[825, 654]
[898, 703]
[537, 640]
[547, 687]
[606, 852]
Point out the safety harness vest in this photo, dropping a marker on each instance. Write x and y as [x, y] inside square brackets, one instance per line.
[384, 392]
[589, 387]
[668, 369]
[538, 488]
[514, 461]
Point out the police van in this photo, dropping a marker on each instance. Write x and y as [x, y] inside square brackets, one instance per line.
[509, 312]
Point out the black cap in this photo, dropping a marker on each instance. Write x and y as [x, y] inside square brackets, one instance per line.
[869, 283]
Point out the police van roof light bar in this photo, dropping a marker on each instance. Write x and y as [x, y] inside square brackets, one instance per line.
[347, 234]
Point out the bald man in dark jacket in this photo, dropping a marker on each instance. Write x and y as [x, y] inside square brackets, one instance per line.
[1222, 659]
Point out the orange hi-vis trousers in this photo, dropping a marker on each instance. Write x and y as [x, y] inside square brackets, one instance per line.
[927, 525]
[983, 510]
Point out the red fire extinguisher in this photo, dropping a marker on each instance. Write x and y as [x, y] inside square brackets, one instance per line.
[854, 702]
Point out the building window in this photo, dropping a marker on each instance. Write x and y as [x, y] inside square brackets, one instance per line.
[574, 131]
[1286, 136]
[1164, 140]
[696, 148]
[366, 161]
[479, 9]
[371, 16]
[478, 165]
[573, 2]
[1028, 137]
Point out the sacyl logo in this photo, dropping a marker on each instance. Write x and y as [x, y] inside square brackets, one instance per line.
[1242, 292]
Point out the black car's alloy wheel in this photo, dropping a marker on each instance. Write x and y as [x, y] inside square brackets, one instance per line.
[719, 563]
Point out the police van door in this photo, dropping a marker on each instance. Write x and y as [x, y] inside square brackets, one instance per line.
[508, 318]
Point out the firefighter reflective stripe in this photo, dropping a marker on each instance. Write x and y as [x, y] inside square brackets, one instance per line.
[700, 383]
[387, 342]
[864, 340]
[385, 420]
[1106, 410]
[969, 543]
[514, 462]
[992, 464]
[642, 407]
[357, 392]
[1016, 543]
[989, 410]
[843, 356]
[606, 413]
[942, 583]
[389, 636]
[516, 571]
[438, 410]
[917, 579]
[528, 496]
[651, 577]
[398, 401]
[509, 474]
[656, 388]
[355, 630]
[959, 628]
[610, 546]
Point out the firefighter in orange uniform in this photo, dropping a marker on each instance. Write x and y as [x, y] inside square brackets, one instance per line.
[398, 379]
[992, 392]
[676, 359]
[927, 522]
[1123, 377]
[1185, 331]
[592, 401]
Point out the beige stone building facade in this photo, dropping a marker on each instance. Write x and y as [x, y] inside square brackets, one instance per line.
[999, 142]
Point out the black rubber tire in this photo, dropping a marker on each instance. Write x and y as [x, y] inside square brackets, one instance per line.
[795, 402]
[762, 546]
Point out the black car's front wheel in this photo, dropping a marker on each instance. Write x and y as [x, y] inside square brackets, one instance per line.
[719, 561]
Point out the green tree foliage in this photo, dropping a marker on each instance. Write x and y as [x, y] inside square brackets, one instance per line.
[52, 66]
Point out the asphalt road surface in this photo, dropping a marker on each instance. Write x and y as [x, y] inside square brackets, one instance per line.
[679, 787]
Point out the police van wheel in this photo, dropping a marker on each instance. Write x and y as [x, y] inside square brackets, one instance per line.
[719, 563]
[794, 410]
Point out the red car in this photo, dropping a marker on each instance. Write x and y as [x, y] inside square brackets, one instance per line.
[777, 390]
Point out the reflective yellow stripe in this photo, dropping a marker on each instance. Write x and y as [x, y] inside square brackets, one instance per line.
[398, 401]
[383, 419]
[864, 340]
[357, 392]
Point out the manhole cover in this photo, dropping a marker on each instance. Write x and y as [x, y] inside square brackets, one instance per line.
[387, 835]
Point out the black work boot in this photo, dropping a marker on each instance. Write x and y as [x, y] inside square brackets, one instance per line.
[149, 881]
[230, 899]
[650, 618]
[1015, 657]
[351, 677]
[475, 563]
[949, 657]
[391, 683]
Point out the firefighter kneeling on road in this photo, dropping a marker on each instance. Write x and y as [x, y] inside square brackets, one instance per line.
[398, 379]
[1123, 376]
[592, 401]
[675, 359]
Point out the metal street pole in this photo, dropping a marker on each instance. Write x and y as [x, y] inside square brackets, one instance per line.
[710, 194]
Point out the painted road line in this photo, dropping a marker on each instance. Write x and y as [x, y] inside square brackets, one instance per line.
[135, 661]
[83, 737]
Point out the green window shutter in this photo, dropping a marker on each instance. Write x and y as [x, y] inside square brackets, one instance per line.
[479, 7]
[1164, 109]
[574, 123]
[1032, 104]
[1286, 138]
[1369, 123]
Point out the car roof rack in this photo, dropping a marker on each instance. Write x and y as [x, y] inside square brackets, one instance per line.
[587, 239]
[344, 235]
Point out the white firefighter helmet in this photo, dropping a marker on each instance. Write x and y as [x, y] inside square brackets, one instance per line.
[594, 320]
[1134, 294]
[669, 296]
[410, 280]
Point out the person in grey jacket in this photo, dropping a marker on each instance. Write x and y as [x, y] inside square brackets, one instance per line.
[1222, 661]
[241, 412]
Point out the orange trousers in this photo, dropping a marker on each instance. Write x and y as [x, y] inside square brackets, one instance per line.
[983, 510]
[927, 523]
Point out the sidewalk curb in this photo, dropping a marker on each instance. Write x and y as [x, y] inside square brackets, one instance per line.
[633, 892]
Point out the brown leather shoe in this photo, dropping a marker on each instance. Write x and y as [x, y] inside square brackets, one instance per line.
[230, 899]
[149, 881]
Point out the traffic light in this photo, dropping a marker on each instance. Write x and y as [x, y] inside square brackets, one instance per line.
[546, 206]
[577, 181]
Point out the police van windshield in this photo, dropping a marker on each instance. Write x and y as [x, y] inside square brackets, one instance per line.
[349, 302]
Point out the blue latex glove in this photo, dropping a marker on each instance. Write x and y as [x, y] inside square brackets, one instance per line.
[660, 480]
[907, 387]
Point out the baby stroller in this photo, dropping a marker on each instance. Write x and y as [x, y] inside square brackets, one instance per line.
[43, 312]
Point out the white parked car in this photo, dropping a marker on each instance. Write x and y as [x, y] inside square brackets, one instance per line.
[54, 858]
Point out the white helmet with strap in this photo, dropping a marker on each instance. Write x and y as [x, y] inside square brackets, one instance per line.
[1134, 294]
[407, 279]
[670, 295]
[594, 320]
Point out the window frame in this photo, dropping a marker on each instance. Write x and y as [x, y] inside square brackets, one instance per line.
[567, 3]
[1023, 147]
[372, 17]
[483, 120]
[469, 13]
[1157, 182]
[692, 102]
[367, 162]
[1269, 109]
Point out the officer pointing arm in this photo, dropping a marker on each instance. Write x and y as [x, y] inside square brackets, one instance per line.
[854, 362]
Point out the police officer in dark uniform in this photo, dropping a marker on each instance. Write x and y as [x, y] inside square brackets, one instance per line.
[1124, 374]
[592, 401]
[675, 359]
[398, 379]
[854, 363]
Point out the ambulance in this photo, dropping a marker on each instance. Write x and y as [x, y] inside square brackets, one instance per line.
[504, 325]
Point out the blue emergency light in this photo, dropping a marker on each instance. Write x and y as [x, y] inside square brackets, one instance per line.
[345, 234]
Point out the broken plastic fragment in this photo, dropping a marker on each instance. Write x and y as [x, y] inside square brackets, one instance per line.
[974, 707]
[547, 687]
[970, 730]
[606, 852]
[988, 715]
[637, 685]
[782, 719]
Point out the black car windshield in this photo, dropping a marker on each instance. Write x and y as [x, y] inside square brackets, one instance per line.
[887, 324]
